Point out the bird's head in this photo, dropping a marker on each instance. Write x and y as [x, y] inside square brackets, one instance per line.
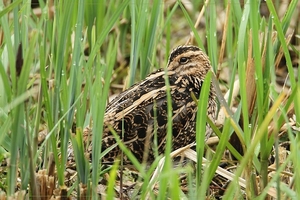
[189, 61]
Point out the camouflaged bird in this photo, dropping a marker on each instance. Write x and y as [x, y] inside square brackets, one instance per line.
[136, 112]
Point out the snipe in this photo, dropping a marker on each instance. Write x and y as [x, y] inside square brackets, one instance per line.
[141, 111]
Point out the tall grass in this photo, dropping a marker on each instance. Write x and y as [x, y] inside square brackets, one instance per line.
[58, 87]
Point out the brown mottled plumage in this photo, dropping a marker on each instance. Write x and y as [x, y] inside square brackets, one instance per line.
[133, 110]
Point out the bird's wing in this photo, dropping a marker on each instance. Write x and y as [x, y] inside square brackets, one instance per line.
[136, 94]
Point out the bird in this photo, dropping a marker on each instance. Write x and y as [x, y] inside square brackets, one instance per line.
[139, 116]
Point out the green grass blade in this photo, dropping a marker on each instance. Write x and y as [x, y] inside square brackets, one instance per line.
[18, 126]
[201, 131]
[251, 149]
[111, 181]
[191, 25]
[138, 29]
[75, 78]
[212, 34]
[99, 108]
[242, 71]
[151, 37]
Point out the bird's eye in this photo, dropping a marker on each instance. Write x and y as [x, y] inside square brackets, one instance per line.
[183, 60]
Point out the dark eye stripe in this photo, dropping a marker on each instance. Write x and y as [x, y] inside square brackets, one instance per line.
[182, 49]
